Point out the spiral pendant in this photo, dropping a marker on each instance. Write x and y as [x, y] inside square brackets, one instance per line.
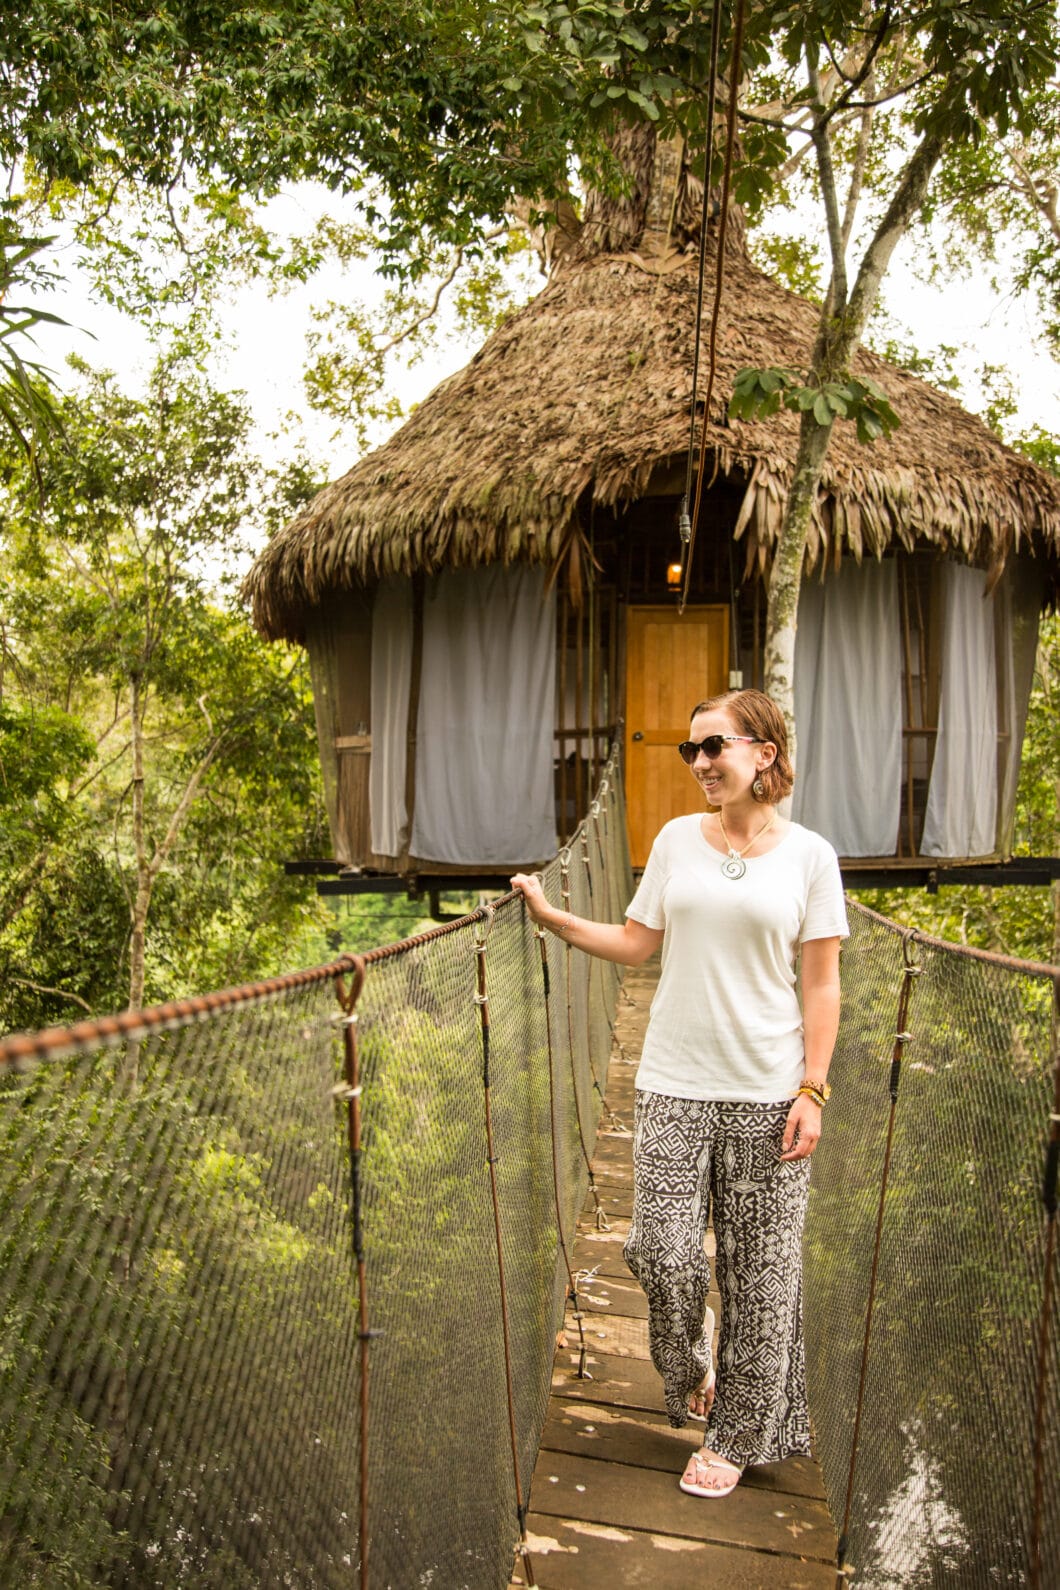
[733, 866]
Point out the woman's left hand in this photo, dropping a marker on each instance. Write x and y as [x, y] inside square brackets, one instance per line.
[802, 1129]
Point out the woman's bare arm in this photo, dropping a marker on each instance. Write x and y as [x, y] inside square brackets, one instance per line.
[629, 944]
[820, 1021]
[820, 1004]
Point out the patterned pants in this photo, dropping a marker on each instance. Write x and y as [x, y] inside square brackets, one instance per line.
[690, 1154]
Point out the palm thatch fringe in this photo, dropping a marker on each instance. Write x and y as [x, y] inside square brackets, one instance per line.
[582, 398]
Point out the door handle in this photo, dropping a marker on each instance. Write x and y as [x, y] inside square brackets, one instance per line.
[638, 735]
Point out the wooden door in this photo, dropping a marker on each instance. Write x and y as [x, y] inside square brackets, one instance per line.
[672, 661]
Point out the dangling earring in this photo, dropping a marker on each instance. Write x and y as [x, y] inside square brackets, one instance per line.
[758, 788]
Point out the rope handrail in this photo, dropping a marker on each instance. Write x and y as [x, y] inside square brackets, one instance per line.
[55, 1043]
[971, 952]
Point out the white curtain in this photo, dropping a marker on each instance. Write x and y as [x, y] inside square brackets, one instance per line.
[391, 683]
[848, 708]
[484, 730]
[961, 814]
[1018, 602]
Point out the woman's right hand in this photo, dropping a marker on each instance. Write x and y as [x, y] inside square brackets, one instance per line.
[529, 886]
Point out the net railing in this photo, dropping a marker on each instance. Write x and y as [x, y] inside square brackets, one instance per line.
[283, 1267]
[932, 1308]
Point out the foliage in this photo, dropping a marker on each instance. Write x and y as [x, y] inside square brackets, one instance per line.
[353, 347]
[173, 759]
[27, 395]
[996, 203]
[794, 261]
[285, 92]
[759, 393]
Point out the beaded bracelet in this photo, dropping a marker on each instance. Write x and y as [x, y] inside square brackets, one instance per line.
[813, 1093]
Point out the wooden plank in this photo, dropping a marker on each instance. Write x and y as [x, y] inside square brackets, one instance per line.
[753, 1516]
[616, 1382]
[616, 1201]
[643, 1438]
[627, 1338]
[605, 1508]
[613, 1295]
[579, 1555]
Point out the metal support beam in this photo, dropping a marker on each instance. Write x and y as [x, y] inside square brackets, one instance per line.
[1028, 871]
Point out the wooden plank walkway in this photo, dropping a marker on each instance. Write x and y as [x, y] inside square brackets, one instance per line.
[605, 1510]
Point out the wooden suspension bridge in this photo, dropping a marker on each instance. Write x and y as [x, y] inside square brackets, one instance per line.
[604, 1507]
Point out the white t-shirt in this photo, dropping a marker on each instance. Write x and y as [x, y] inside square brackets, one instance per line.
[725, 1021]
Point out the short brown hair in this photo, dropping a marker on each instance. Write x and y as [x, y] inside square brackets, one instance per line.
[758, 715]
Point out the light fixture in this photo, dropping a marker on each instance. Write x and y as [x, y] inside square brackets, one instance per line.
[673, 575]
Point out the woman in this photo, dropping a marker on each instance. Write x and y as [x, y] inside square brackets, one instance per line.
[731, 1084]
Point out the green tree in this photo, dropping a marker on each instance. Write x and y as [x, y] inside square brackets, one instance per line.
[173, 751]
[27, 391]
[997, 197]
[449, 108]
[882, 93]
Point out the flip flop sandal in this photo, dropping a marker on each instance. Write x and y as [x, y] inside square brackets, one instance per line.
[688, 1481]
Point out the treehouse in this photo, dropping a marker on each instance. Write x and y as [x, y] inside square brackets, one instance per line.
[487, 599]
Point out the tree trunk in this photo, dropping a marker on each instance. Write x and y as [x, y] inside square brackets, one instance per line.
[142, 898]
[1056, 881]
[785, 576]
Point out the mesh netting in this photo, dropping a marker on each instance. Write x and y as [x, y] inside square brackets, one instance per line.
[181, 1350]
[955, 1479]
[178, 1396]
[211, 1375]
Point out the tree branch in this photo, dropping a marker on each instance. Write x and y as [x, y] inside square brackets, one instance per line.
[176, 822]
[857, 176]
[431, 310]
[837, 290]
[908, 197]
[43, 988]
[1041, 193]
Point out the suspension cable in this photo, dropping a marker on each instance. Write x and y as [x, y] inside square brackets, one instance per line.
[708, 160]
[348, 1092]
[541, 935]
[686, 525]
[564, 874]
[483, 927]
[1049, 1200]
[901, 1038]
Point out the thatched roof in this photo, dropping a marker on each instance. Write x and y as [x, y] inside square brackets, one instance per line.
[583, 395]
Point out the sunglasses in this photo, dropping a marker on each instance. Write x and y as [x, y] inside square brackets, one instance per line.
[712, 746]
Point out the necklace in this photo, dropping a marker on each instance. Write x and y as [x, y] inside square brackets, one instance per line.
[734, 865]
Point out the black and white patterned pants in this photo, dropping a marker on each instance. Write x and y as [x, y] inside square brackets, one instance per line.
[693, 1159]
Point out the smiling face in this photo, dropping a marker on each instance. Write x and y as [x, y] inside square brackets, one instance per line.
[728, 776]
